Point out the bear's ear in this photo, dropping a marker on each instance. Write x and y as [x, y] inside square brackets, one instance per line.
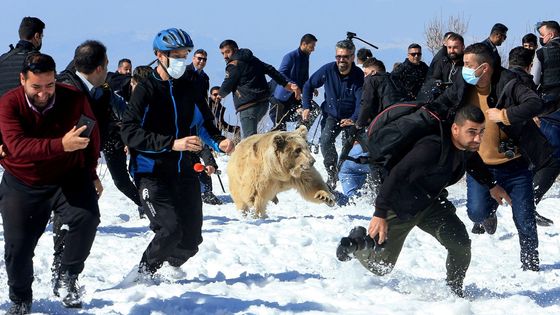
[302, 130]
[279, 142]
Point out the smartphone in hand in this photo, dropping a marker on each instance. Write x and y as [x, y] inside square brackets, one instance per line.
[85, 121]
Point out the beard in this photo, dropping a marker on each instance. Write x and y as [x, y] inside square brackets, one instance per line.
[343, 66]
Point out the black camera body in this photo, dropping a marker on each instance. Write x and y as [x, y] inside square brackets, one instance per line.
[350, 35]
[508, 148]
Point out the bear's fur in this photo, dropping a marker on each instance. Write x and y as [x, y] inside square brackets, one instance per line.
[263, 165]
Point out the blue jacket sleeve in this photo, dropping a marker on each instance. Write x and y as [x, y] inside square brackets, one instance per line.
[198, 124]
[357, 98]
[315, 81]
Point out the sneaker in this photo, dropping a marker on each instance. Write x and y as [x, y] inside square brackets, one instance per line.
[70, 290]
[543, 221]
[477, 228]
[18, 308]
[490, 224]
[211, 199]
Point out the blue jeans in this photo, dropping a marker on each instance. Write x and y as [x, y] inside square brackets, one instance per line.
[551, 130]
[515, 177]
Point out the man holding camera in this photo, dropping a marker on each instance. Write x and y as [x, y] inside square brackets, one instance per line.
[512, 143]
[413, 194]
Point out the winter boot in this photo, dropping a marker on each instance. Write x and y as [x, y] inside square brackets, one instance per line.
[211, 199]
[477, 228]
[543, 221]
[19, 308]
[70, 290]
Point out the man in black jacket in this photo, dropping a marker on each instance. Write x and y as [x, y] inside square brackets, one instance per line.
[158, 126]
[245, 77]
[498, 35]
[119, 81]
[412, 72]
[413, 194]
[511, 147]
[30, 40]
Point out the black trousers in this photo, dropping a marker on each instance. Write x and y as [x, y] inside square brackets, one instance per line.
[116, 163]
[26, 211]
[174, 207]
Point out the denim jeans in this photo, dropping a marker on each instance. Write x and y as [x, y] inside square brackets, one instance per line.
[250, 118]
[551, 130]
[515, 177]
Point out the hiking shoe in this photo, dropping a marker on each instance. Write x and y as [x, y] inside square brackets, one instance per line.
[70, 290]
[477, 228]
[211, 199]
[19, 308]
[543, 221]
[490, 224]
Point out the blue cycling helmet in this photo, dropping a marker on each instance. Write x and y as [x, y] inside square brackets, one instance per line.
[171, 39]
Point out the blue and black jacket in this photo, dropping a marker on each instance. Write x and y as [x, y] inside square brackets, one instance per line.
[160, 112]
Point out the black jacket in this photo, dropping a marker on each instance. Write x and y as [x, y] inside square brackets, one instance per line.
[245, 76]
[417, 180]
[494, 51]
[154, 119]
[411, 77]
[200, 80]
[379, 92]
[521, 104]
[120, 84]
[11, 66]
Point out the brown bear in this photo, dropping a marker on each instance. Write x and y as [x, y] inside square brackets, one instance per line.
[263, 165]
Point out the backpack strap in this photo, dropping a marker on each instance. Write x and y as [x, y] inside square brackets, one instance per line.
[507, 87]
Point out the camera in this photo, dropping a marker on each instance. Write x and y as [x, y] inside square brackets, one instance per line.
[508, 148]
[357, 240]
[350, 35]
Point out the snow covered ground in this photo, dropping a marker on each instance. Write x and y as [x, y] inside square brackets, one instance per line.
[286, 264]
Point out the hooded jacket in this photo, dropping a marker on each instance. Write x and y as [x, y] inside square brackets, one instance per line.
[245, 77]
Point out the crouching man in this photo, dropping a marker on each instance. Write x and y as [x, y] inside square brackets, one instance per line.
[413, 194]
[49, 165]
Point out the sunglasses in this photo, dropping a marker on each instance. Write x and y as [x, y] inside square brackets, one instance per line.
[415, 54]
[341, 57]
[201, 58]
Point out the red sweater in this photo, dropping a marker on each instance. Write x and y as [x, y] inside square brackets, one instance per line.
[33, 141]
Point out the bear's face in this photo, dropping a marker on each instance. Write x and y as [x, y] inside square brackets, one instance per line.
[293, 153]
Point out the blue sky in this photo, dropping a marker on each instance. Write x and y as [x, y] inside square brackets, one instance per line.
[269, 28]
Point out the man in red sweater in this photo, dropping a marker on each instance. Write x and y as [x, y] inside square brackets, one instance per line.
[49, 166]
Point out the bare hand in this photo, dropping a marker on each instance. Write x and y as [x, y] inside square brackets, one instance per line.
[98, 187]
[190, 143]
[305, 114]
[2, 152]
[227, 146]
[346, 122]
[494, 115]
[72, 140]
[125, 149]
[379, 226]
[537, 121]
[294, 88]
[499, 194]
[210, 169]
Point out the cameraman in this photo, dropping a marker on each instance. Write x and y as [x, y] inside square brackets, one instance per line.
[509, 107]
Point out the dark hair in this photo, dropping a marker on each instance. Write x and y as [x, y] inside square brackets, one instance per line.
[498, 28]
[482, 52]
[414, 45]
[374, 62]
[89, 55]
[229, 42]
[140, 73]
[529, 38]
[363, 54]
[307, 39]
[521, 56]
[38, 63]
[553, 25]
[214, 88]
[469, 112]
[446, 35]
[123, 61]
[346, 44]
[201, 51]
[29, 26]
[455, 36]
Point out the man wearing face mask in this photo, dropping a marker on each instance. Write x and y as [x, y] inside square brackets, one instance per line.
[158, 126]
[511, 143]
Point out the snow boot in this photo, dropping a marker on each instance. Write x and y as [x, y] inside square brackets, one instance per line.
[71, 290]
[19, 308]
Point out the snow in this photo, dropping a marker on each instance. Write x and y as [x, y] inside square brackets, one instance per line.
[286, 264]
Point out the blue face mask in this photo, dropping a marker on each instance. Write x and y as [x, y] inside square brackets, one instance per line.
[469, 76]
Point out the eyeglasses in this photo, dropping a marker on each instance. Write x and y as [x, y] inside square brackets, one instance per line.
[202, 59]
[341, 57]
[415, 54]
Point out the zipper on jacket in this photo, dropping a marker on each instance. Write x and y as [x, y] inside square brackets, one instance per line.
[176, 123]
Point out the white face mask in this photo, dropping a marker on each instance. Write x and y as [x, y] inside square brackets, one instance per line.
[177, 67]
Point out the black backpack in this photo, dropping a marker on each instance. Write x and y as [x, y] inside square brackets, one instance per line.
[394, 131]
